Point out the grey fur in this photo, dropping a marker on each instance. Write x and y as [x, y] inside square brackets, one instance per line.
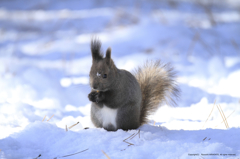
[134, 97]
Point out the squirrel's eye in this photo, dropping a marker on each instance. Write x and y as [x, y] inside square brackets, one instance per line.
[105, 76]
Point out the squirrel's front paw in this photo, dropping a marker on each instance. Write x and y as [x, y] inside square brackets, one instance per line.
[93, 96]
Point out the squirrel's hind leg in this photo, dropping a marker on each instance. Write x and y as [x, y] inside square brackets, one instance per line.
[128, 117]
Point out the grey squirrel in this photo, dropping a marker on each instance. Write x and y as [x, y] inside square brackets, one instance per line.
[121, 100]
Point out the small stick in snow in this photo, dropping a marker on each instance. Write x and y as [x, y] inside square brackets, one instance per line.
[209, 114]
[154, 123]
[135, 135]
[128, 137]
[105, 154]
[38, 156]
[44, 118]
[72, 154]
[66, 128]
[73, 125]
[50, 117]
[224, 116]
[227, 118]
[204, 138]
[128, 143]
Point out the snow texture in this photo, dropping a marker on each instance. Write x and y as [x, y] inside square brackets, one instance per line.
[45, 60]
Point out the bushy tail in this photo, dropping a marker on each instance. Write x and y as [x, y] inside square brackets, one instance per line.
[158, 85]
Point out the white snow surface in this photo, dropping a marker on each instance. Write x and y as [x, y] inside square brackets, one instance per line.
[45, 60]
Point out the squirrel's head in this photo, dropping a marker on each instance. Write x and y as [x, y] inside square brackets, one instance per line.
[103, 72]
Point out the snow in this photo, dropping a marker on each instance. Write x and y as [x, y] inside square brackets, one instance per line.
[154, 142]
[45, 61]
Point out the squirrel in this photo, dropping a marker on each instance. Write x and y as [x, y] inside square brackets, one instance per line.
[122, 100]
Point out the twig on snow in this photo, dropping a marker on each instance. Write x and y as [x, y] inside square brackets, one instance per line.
[44, 118]
[73, 125]
[224, 116]
[219, 109]
[227, 118]
[130, 138]
[204, 138]
[72, 154]
[135, 135]
[209, 114]
[50, 117]
[38, 156]
[105, 154]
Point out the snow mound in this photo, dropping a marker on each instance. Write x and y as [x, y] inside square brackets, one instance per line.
[147, 142]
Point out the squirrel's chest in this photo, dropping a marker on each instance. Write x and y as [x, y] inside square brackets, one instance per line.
[108, 116]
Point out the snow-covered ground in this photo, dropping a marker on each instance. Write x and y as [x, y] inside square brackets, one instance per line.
[45, 60]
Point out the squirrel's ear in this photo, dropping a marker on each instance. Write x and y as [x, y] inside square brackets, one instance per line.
[108, 55]
[96, 49]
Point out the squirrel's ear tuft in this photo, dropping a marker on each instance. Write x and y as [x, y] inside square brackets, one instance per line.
[108, 55]
[96, 49]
